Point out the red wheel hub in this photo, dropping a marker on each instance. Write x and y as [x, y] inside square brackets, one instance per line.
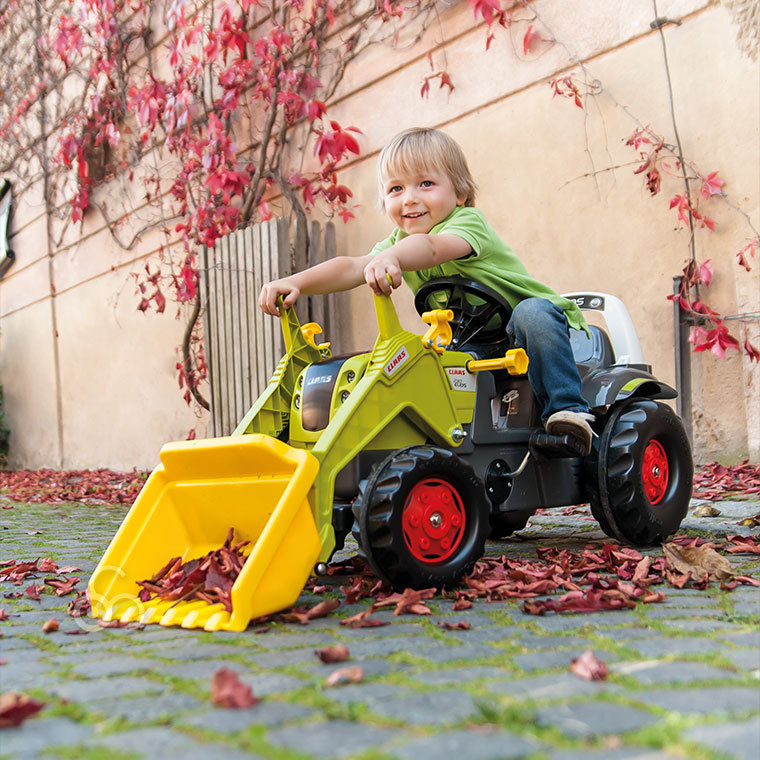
[654, 471]
[433, 520]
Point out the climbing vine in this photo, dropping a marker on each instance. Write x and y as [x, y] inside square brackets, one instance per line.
[658, 158]
[215, 110]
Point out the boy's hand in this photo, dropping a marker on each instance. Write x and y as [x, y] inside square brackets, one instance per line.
[378, 270]
[270, 291]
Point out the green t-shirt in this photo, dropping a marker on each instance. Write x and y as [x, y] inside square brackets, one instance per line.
[492, 263]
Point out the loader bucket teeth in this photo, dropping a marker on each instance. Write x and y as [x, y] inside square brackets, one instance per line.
[254, 484]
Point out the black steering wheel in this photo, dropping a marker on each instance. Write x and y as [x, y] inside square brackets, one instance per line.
[480, 313]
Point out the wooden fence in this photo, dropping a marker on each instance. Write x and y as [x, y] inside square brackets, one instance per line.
[242, 344]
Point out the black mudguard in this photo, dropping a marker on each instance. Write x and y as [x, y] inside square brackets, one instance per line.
[604, 387]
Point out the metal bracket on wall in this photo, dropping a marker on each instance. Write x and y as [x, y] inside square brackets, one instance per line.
[7, 257]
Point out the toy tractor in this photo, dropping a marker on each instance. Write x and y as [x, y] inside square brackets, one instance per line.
[423, 447]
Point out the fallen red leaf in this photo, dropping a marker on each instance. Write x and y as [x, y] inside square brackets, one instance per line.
[588, 667]
[84, 486]
[33, 591]
[80, 605]
[460, 626]
[351, 674]
[50, 626]
[411, 600]
[62, 587]
[329, 655]
[16, 707]
[715, 481]
[209, 578]
[112, 623]
[227, 690]
[363, 620]
[743, 544]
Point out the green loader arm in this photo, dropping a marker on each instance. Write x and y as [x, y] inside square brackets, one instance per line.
[269, 413]
[404, 379]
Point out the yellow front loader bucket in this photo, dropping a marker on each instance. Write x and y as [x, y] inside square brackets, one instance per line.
[256, 485]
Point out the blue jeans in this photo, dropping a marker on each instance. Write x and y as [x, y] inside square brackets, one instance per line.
[540, 327]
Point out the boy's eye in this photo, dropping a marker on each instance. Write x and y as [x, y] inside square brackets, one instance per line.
[395, 189]
[426, 183]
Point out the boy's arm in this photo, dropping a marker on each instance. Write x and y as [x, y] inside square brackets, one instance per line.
[414, 252]
[340, 273]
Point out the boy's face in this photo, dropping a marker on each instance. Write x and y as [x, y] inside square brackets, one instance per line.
[418, 201]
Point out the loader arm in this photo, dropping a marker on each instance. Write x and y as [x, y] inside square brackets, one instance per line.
[269, 413]
[403, 377]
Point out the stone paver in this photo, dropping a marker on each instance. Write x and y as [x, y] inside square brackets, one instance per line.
[332, 738]
[658, 672]
[500, 689]
[741, 737]
[591, 719]
[718, 699]
[455, 745]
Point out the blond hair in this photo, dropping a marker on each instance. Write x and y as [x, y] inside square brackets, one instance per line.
[414, 150]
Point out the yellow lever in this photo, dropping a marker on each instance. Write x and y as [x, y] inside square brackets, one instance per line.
[309, 330]
[515, 361]
[438, 336]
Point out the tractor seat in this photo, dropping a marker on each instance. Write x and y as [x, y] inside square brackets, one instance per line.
[593, 351]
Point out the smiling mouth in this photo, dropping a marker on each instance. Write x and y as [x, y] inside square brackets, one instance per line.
[416, 215]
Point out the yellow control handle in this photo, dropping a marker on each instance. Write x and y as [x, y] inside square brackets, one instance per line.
[515, 361]
[438, 336]
[309, 330]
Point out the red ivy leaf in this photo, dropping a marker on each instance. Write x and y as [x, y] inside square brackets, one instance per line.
[530, 38]
[751, 351]
[711, 185]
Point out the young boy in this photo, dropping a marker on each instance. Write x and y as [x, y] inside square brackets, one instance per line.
[428, 192]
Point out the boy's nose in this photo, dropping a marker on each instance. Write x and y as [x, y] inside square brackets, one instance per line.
[410, 197]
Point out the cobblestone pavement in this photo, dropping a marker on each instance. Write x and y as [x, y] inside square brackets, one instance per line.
[684, 675]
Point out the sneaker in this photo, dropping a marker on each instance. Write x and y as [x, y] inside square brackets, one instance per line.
[575, 424]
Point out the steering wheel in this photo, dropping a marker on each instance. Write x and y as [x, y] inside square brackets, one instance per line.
[480, 313]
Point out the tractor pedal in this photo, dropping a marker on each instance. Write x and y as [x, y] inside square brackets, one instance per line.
[545, 445]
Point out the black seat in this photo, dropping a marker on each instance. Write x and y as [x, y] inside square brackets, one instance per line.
[592, 351]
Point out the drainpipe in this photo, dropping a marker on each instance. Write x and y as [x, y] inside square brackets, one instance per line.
[682, 360]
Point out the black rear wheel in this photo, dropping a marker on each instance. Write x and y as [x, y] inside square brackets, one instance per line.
[644, 473]
[422, 518]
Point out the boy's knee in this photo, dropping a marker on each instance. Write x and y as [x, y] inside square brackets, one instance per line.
[534, 313]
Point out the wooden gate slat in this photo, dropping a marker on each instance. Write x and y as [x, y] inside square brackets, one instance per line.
[239, 328]
[226, 348]
[259, 347]
[301, 262]
[218, 316]
[251, 313]
[243, 345]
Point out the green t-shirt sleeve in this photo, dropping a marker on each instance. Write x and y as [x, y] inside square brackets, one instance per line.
[468, 224]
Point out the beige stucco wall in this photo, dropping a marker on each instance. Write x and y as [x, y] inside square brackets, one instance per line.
[113, 398]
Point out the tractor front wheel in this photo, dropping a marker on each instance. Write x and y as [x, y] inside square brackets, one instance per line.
[644, 473]
[422, 518]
